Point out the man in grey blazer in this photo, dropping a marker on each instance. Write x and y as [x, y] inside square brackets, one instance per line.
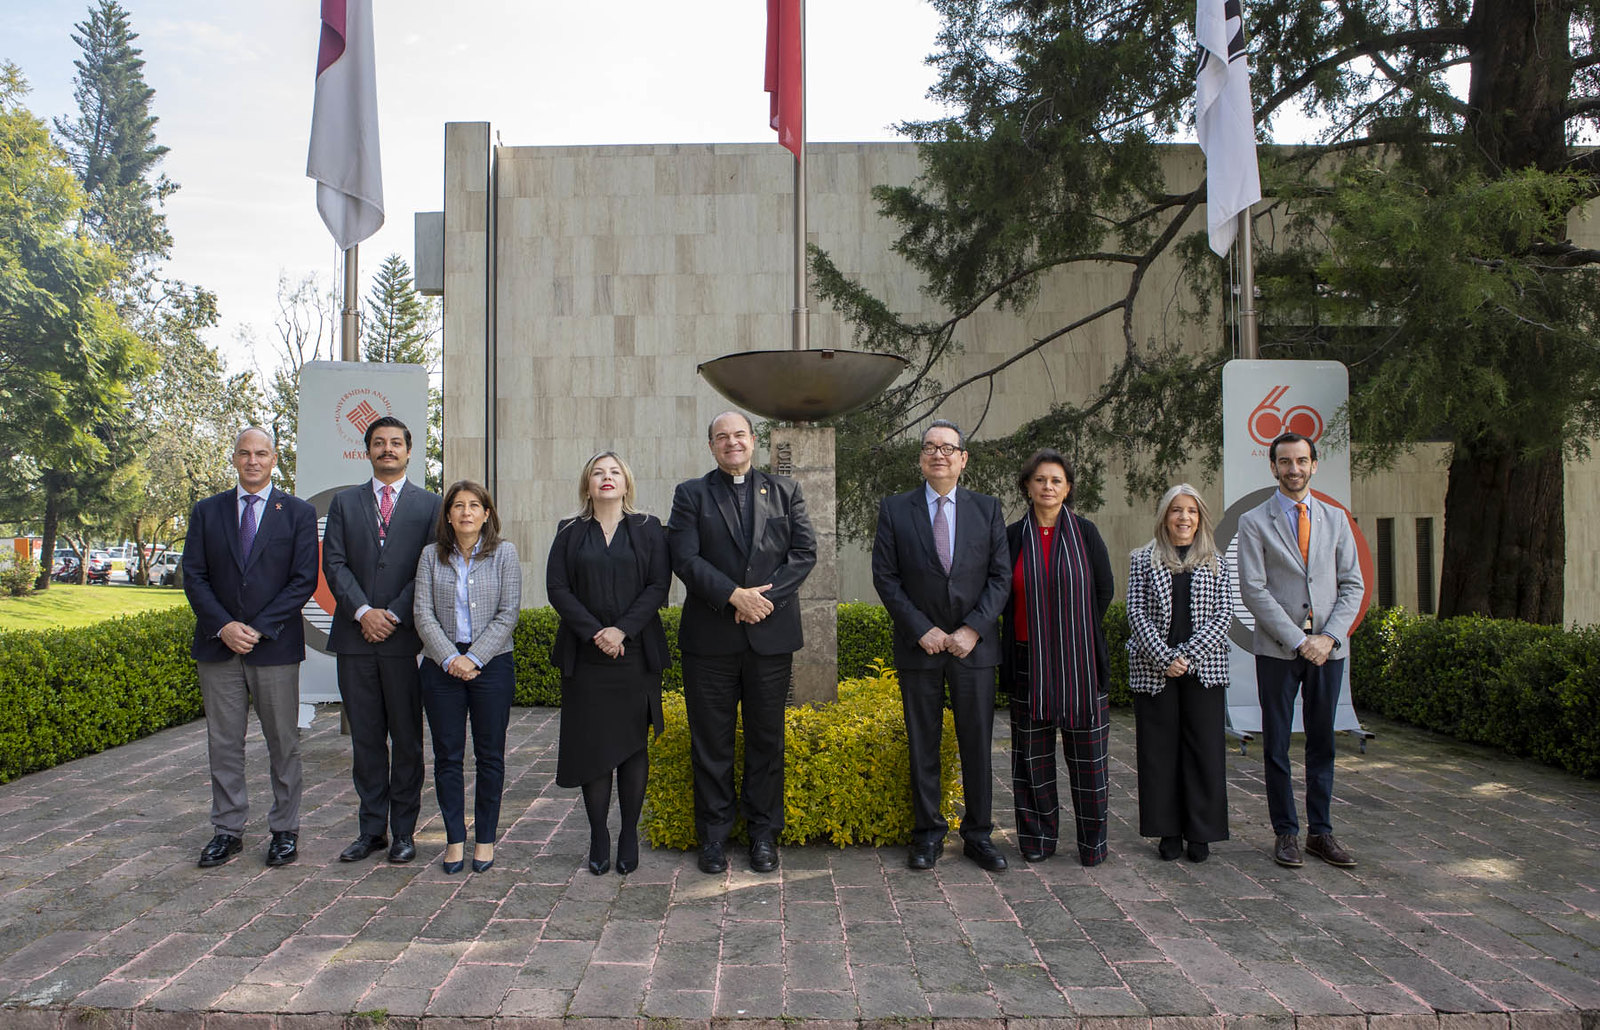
[1300, 577]
[375, 533]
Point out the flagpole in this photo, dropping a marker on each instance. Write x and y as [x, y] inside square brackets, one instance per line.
[800, 316]
[348, 350]
[1249, 335]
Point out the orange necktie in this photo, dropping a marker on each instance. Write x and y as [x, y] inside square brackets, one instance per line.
[1303, 532]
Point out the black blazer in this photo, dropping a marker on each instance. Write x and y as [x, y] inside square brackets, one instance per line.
[361, 571]
[266, 593]
[642, 620]
[709, 555]
[917, 591]
[1104, 589]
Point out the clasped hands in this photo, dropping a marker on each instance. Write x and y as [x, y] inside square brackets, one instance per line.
[377, 624]
[1317, 649]
[960, 643]
[750, 604]
[609, 641]
[461, 667]
[240, 638]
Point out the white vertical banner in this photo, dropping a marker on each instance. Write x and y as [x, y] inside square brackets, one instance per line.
[1261, 399]
[338, 401]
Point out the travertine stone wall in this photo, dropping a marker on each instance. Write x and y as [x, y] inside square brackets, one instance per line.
[619, 269]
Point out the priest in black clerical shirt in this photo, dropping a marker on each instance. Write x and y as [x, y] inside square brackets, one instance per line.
[742, 544]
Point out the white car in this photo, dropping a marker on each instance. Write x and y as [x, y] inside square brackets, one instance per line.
[164, 568]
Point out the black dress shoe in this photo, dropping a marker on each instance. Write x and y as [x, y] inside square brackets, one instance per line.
[763, 855]
[712, 858]
[283, 848]
[1035, 854]
[363, 846]
[924, 855]
[1198, 851]
[599, 866]
[1170, 848]
[219, 849]
[985, 854]
[402, 850]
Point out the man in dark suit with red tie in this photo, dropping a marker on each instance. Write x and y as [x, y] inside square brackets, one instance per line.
[375, 533]
[941, 566]
[742, 543]
[249, 566]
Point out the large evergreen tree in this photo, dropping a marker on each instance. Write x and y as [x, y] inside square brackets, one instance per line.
[112, 141]
[1422, 238]
[401, 325]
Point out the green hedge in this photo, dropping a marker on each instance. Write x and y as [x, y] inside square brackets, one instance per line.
[866, 636]
[65, 694]
[1532, 690]
[846, 770]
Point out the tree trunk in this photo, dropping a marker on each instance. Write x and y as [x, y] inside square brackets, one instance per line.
[52, 519]
[1505, 541]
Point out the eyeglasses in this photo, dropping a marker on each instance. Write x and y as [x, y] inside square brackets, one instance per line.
[946, 449]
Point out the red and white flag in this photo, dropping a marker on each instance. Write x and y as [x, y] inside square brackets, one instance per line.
[1224, 119]
[785, 76]
[344, 125]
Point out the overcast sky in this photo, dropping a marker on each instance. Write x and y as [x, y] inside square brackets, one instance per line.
[234, 80]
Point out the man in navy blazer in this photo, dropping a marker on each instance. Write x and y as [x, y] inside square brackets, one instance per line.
[940, 564]
[742, 543]
[375, 533]
[249, 566]
[1300, 577]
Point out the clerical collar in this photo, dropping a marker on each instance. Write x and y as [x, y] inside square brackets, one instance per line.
[738, 478]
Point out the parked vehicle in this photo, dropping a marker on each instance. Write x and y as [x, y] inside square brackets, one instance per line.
[99, 568]
[164, 568]
[65, 570]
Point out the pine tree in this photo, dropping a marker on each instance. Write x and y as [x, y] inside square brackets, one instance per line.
[402, 326]
[112, 142]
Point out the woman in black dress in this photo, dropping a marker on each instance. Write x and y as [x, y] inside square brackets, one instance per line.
[607, 578]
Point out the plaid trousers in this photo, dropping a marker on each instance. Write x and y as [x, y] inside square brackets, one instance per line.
[1033, 779]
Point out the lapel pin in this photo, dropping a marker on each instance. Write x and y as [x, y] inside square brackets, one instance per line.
[763, 490]
[277, 507]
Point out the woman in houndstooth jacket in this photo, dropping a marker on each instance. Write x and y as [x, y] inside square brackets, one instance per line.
[1179, 609]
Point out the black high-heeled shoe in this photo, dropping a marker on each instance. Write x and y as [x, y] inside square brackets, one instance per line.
[453, 867]
[600, 856]
[627, 854]
[482, 865]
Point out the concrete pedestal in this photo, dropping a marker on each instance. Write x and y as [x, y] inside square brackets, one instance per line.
[807, 454]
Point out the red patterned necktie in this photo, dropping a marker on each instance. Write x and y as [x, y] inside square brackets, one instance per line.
[385, 509]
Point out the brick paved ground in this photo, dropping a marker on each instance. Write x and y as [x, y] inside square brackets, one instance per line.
[1476, 907]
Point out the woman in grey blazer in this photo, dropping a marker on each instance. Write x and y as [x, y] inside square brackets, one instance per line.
[1179, 609]
[469, 594]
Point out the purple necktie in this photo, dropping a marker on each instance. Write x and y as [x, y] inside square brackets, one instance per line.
[941, 532]
[247, 526]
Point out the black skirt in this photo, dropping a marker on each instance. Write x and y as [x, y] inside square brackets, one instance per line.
[608, 707]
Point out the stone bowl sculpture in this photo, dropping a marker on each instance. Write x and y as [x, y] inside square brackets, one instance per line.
[802, 385]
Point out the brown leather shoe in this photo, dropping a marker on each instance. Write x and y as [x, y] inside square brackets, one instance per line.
[1329, 850]
[1286, 851]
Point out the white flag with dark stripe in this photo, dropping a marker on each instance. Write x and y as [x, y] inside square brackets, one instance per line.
[343, 156]
[1224, 119]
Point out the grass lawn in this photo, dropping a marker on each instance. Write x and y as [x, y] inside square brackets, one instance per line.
[67, 607]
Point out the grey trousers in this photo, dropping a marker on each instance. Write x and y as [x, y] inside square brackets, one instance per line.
[227, 689]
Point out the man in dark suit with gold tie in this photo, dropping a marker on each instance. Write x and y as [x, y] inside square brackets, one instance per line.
[375, 533]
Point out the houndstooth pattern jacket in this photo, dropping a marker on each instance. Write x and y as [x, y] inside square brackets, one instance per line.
[1150, 616]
